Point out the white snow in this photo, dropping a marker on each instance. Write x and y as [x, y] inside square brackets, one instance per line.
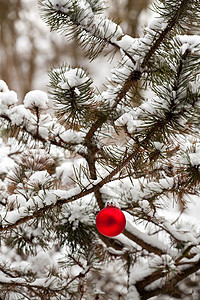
[5, 162]
[139, 271]
[16, 200]
[151, 240]
[3, 87]
[132, 294]
[36, 98]
[8, 98]
[41, 264]
[77, 213]
[190, 42]
[194, 86]
[194, 159]
[45, 123]
[62, 5]
[39, 178]
[127, 42]
[107, 29]
[72, 136]
[18, 114]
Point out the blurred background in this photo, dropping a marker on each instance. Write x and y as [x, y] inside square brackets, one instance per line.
[28, 48]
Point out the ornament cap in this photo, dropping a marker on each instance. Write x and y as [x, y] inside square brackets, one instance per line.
[112, 203]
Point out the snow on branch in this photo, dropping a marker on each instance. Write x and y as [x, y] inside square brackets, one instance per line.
[170, 106]
[161, 284]
[33, 120]
[51, 202]
[79, 19]
[142, 52]
[76, 104]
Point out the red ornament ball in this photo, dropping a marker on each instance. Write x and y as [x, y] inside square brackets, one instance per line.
[110, 221]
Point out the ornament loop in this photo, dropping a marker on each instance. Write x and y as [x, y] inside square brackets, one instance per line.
[113, 203]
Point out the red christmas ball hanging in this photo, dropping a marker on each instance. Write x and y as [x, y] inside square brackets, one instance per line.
[110, 221]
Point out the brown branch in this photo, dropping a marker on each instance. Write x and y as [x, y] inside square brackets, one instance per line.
[164, 33]
[133, 77]
[143, 244]
[60, 143]
[169, 286]
[26, 285]
[140, 285]
[83, 193]
[136, 75]
[106, 41]
[99, 199]
[91, 160]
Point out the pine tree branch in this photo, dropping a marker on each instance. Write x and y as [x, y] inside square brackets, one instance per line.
[132, 78]
[57, 141]
[14, 285]
[136, 75]
[162, 272]
[159, 222]
[164, 33]
[83, 193]
[143, 243]
[140, 285]
[80, 27]
[94, 189]
[169, 286]
[26, 285]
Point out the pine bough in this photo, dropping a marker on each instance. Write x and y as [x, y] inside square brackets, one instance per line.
[59, 168]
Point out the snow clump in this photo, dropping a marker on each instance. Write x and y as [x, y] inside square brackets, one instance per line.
[189, 42]
[3, 87]
[72, 79]
[7, 98]
[39, 177]
[36, 98]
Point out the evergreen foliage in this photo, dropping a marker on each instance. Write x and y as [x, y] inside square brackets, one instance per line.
[64, 159]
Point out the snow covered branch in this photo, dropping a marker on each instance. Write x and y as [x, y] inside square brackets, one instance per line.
[134, 146]
[167, 288]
